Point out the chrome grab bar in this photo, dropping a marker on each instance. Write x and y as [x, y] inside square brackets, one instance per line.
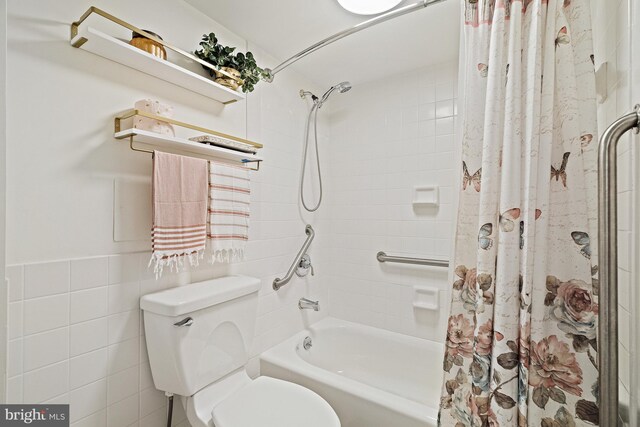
[278, 283]
[608, 265]
[383, 257]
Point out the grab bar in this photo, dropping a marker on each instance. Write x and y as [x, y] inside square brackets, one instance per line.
[383, 257]
[608, 265]
[278, 283]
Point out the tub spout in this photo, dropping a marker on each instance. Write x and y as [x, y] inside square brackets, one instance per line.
[306, 304]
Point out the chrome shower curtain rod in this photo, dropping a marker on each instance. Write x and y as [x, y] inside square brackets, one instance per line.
[270, 73]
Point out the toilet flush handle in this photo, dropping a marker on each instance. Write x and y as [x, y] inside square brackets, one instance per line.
[187, 321]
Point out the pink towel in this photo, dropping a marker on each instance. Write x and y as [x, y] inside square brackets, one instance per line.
[180, 193]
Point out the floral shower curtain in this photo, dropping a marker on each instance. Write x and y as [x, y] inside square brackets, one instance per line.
[521, 344]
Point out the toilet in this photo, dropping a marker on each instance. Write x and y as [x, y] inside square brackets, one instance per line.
[198, 338]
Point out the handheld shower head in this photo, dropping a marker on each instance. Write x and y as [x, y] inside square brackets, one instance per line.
[342, 87]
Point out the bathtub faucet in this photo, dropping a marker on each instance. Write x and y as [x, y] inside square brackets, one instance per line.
[307, 304]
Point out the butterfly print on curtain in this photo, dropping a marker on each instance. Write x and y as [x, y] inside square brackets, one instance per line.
[561, 173]
[467, 179]
[582, 239]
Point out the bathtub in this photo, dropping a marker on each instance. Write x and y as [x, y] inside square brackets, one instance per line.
[371, 377]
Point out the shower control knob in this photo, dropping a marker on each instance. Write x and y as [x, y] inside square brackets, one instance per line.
[304, 266]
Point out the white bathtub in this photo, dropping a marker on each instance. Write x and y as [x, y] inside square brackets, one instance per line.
[371, 377]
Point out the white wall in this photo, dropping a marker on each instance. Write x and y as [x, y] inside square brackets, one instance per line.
[387, 137]
[75, 328]
[613, 44]
[3, 163]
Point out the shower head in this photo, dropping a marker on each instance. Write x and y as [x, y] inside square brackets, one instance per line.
[342, 87]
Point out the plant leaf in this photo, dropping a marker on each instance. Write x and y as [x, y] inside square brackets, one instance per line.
[512, 346]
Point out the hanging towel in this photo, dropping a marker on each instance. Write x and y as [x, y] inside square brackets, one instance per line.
[228, 219]
[179, 210]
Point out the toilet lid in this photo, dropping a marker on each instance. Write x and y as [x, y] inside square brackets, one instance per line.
[268, 402]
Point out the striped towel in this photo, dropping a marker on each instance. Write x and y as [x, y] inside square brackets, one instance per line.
[179, 210]
[228, 219]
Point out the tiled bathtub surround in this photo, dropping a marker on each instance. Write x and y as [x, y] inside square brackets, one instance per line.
[387, 137]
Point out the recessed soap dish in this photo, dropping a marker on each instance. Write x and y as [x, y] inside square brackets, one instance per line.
[426, 195]
[426, 298]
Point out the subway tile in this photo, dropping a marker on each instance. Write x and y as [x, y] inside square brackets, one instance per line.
[444, 108]
[62, 399]
[15, 276]
[98, 419]
[87, 368]
[123, 355]
[15, 319]
[89, 273]
[46, 383]
[46, 313]
[88, 336]
[46, 348]
[15, 389]
[123, 326]
[146, 378]
[124, 268]
[444, 91]
[88, 400]
[88, 304]
[124, 412]
[124, 297]
[122, 384]
[151, 400]
[47, 278]
[14, 357]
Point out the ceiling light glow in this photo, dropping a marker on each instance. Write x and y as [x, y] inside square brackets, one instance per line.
[368, 7]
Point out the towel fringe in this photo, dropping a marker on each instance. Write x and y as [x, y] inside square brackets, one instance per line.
[227, 255]
[175, 262]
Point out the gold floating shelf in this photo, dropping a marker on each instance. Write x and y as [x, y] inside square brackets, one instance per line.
[147, 141]
[101, 44]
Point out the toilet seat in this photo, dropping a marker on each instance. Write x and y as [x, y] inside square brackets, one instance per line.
[268, 402]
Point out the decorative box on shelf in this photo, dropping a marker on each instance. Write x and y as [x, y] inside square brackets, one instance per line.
[95, 41]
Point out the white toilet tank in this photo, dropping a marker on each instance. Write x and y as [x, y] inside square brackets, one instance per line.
[218, 321]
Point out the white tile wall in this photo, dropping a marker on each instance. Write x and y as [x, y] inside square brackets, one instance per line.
[387, 137]
[612, 42]
[75, 328]
[83, 309]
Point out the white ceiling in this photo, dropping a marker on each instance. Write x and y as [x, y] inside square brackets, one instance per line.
[285, 27]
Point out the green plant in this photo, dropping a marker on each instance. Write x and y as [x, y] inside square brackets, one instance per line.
[222, 56]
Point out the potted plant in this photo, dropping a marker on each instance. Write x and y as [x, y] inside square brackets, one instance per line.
[242, 66]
